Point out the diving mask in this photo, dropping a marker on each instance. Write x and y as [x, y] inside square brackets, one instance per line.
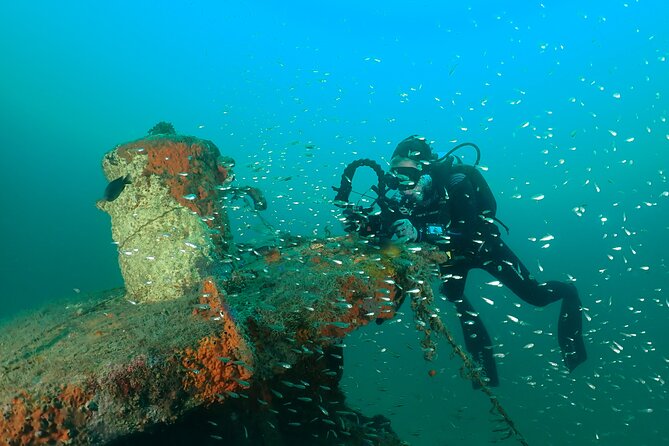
[403, 178]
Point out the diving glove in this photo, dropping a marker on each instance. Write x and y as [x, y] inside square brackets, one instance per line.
[352, 220]
[360, 222]
[404, 231]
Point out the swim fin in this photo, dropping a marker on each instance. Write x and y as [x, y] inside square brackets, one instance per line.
[477, 341]
[570, 329]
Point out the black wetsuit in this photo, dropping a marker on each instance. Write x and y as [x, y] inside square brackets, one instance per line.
[475, 242]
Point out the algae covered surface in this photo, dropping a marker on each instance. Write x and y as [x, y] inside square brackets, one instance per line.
[104, 367]
[69, 340]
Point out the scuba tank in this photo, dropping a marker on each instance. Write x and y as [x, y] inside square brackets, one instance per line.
[485, 200]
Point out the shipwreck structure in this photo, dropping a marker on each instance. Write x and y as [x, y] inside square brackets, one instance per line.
[245, 338]
[209, 342]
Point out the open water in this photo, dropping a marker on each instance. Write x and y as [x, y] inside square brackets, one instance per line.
[567, 100]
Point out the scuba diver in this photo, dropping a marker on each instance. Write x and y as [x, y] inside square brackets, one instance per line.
[447, 203]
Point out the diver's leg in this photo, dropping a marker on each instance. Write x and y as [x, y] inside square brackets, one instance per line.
[505, 266]
[477, 339]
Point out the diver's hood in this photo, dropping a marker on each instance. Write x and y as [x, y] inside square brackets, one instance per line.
[414, 147]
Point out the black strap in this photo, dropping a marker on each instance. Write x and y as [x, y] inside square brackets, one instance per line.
[501, 223]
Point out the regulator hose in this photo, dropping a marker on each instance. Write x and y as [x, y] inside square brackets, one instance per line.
[458, 147]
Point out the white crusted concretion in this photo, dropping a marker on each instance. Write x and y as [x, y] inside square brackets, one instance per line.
[165, 249]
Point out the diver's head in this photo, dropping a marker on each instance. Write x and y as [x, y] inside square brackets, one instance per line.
[410, 177]
[415, 148]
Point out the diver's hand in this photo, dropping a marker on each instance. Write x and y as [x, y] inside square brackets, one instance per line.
[352, 220]
[404, 231]
[356, 220]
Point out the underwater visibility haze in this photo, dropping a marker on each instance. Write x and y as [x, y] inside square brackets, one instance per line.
[567, 102]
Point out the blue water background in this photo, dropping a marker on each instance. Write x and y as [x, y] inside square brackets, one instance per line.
[566, 99]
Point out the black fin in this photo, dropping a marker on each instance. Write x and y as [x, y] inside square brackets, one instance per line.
[570, 330]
